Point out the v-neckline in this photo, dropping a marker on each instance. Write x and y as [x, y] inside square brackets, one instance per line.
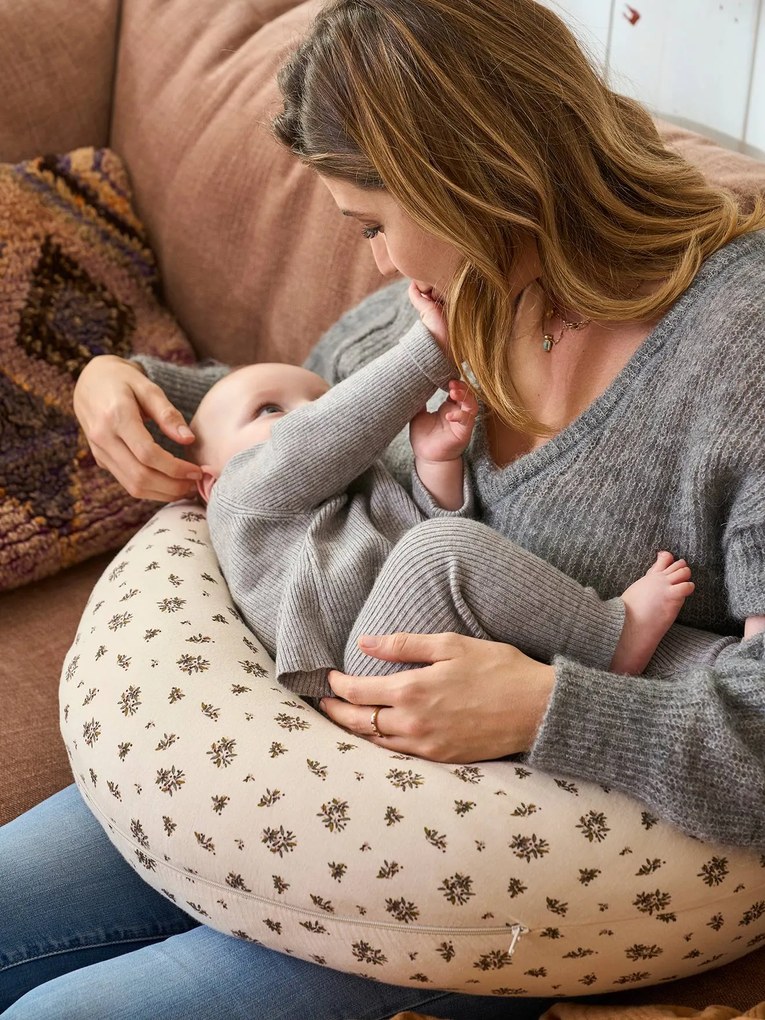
[498, 479]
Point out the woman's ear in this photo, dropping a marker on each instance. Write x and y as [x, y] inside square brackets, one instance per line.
[206, 482]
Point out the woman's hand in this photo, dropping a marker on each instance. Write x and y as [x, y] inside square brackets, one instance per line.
[475, 701]
[112, 400]
[432, 315]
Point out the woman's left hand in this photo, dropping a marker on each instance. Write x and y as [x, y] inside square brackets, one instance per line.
[474, 700]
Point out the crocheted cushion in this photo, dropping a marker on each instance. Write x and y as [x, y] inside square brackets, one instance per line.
[261, 818]
[79, 279]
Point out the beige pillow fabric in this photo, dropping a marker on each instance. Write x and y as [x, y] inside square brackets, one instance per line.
[261, 818]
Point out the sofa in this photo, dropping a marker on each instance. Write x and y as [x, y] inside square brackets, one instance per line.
[255, 263]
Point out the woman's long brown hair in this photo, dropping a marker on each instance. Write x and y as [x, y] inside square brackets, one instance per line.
[485, 120]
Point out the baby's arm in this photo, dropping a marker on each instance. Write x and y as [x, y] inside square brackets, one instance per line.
[754, 625]
[439, 439]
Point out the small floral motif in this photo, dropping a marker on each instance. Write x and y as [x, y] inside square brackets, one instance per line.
[494, 960]
[393, 816]
[91, 731]
[529, 848]
[628, 979]
[279, 841]
[754, 913]
[175, 694]
[639, 951]
[280, 885]
[130, 701]
[457, 889]
[587, 875]
[652, 902]
[253, 668]
[237, 882]
[167, 740]
[468, 773]
[222, 752]
[119, 620]
[322, 904]
[180, 551]
[269, 798]
[436, 839]
[365, 953]
[650, 866]
[136, 831]
[170, 780]
[291, 722]
[192, 664]
[403, 910]
[579, 953]
[568, 787]
[594, 826]
[337, 871]
[334, 814]
[317, 769]
[145, 861]
[404, 780]
[71, 669]
[516, 887]
[715, 871]
[555, 906]
[447, 951]
[389, 869]
[462, 807]
[174, 604]
[205, 842]
[316, 927]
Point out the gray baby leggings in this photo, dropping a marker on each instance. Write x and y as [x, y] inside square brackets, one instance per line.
[455, 574]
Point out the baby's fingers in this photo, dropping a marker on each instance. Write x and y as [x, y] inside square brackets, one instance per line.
[462, 395]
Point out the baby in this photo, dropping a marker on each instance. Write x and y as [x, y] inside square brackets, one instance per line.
[319, 544]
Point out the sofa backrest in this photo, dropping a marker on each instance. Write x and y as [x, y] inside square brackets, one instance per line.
[256, 259]
[57, 62]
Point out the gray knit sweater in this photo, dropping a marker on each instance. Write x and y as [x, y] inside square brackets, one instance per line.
[670, 456]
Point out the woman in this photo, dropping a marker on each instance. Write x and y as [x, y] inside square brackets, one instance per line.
[608, 303]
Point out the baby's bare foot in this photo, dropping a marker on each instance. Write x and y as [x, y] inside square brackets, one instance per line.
[652, 604]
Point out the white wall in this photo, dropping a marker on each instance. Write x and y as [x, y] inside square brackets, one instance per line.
[700, 63]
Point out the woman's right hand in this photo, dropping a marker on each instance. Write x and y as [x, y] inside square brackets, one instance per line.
[112, 400]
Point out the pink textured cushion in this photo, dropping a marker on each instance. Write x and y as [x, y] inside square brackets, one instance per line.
[255, 257]
[56, 73]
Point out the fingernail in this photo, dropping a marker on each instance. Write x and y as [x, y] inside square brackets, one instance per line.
[322, 706]
[185, 431]
[368, 641]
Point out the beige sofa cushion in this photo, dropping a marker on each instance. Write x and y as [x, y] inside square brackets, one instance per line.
[255, 257]
[56, 75]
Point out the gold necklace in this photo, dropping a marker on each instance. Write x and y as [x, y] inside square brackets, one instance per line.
[549, 340]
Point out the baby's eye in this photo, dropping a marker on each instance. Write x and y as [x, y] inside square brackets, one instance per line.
[269, 409]
[371, 232]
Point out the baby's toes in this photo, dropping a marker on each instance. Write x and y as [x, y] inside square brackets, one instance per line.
[678, 571]
[682, 590]
[663, 560]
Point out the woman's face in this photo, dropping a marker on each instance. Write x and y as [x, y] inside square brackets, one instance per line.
[398, 243]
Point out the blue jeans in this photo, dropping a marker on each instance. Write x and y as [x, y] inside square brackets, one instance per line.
[82, 937]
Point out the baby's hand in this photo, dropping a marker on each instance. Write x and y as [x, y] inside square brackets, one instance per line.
[431, 314]
[444, 434]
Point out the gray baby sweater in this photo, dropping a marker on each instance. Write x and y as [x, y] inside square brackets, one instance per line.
[303, 523]
[670, 456]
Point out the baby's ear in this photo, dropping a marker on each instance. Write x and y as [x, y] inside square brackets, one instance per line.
[206, 482]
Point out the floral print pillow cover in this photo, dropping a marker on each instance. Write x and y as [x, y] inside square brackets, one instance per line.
[261, 818]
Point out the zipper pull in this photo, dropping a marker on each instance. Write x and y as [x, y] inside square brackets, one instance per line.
[517, 931]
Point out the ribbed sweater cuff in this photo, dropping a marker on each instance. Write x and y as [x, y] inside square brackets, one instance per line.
[743, 572]
[430, 508]
[683, 645]
[598, 726]
[424, 351]
[184, 386]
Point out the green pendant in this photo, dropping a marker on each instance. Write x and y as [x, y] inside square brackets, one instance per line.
[547, 342]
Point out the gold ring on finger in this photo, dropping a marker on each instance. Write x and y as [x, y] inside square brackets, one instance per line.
[373, 722]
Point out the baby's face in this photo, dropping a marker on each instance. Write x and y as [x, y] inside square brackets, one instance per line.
[239, 411]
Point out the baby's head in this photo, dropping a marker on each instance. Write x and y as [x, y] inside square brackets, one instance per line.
[239, 411]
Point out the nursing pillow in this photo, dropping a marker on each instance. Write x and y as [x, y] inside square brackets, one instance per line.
[261, 818]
